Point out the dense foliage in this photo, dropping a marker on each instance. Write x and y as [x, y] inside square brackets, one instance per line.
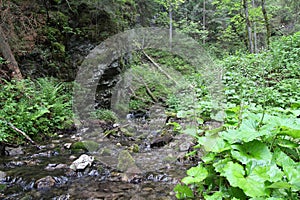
[256, 152]
[38, 108]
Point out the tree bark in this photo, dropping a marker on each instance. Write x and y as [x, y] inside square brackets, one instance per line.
[267, 24]
[254, 31]
[8, 55]
[248, 24]
[171, 26]
[204, 20]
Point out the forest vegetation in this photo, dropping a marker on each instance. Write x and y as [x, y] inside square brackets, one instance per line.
[255, 153]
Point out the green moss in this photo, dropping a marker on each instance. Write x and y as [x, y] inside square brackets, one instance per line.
[91, 145]
[125, 161]
[104, 114]
[105, 152]
[59, 48]
[84, 145]
[78, 146]
[2, 187]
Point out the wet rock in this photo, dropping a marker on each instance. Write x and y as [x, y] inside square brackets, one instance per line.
[125, 161]
[161, 140]
[2, 176]
[52, 167]
[105, 152]
[14, 151]
[67, 145]
[45, 183]
[91, 146]
[82, 162]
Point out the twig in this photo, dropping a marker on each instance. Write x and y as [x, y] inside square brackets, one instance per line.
[69, 5]
[24, 134]
[159, 68]
[148, 91]
[135, 96]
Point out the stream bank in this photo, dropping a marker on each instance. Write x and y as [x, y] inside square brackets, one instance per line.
[145, 164]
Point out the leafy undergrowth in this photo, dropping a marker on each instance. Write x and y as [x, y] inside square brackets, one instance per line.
[38, 108]
[255, 155]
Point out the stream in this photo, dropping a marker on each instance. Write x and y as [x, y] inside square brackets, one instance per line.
[137, 160]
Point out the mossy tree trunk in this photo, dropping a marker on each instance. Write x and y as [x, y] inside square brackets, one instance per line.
[8, 55]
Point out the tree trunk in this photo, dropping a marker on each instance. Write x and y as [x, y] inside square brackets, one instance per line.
[248, 24]
[8, 55]
[254, 31]
[171, 26]
[204, 20]
[267, 24]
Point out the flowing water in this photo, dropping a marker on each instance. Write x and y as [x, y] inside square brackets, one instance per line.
[117, 172]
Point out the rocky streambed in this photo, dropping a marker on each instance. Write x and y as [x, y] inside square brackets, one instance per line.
[133, 160]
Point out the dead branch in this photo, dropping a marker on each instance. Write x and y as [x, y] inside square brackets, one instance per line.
[148, 91]
[136, 96]
[159, 68]
[24, 134]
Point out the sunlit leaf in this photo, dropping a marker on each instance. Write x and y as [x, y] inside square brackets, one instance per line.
[255, 151]
[183, 192]
[213, 143]
[195, 175]
[280, 185]
[215, 196]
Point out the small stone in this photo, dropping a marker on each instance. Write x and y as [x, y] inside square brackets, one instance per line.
[72, 157]
[2, 176]
[147, 189]
[119, 144]
[82, 162]
[46, 182]
[67, 145]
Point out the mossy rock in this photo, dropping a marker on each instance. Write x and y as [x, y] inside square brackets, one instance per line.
[2, 187]
[85, 146]
[105, 152]
[91, 145]
[126, 161]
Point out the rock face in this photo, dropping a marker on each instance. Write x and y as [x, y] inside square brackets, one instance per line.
[82, 162]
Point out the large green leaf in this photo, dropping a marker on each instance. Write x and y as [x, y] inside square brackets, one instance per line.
[246, 133]
[254, 151]
[195, 175]
[214, 143]
[215, 196]
[235, 174]
[183, 192]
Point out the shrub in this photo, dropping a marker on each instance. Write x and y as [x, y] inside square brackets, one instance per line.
[38, 108]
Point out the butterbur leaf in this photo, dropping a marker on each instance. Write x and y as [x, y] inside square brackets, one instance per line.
[282, 159]
[280, 185]
[287, 143]
[219, 166]
[195, 175]
[215, 196]
[254, 151]
[208, 157]
[293, 176]
[266, 173]
[234, 173]
[294, 133]
[183, 192]
[214, 143]
[233, 136]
